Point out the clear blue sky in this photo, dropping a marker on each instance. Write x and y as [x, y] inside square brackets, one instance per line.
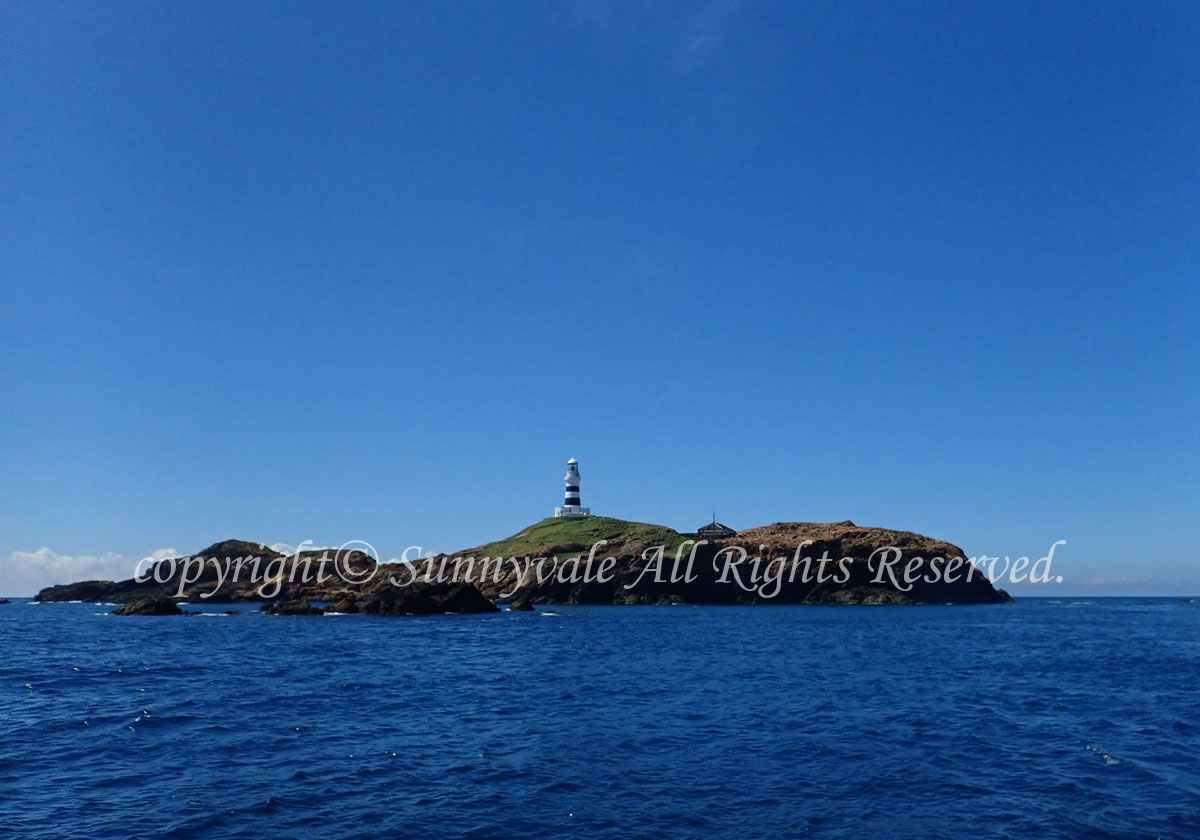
[332, 271]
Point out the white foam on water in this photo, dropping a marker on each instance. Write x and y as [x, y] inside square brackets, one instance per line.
[1110, 760]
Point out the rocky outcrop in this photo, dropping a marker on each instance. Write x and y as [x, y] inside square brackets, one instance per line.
[425, 599]
[835, 563]
[228, 571]
[162, 605]
[92, 590]
[298, 607]
[785, 563]
[213, 565]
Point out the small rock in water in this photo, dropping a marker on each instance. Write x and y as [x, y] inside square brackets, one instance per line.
[300, 607]
[163, 605]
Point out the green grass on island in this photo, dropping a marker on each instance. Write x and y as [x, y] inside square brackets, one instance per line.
[572, 536]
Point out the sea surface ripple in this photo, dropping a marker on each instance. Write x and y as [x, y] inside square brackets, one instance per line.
[1075, 718]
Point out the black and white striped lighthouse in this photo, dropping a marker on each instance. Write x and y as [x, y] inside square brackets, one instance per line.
[571, 508]
[572, 479]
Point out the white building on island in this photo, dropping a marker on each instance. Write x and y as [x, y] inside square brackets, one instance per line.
[571, 508]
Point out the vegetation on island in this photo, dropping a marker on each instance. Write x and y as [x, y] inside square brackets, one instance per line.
[570, 536]
[634, 563]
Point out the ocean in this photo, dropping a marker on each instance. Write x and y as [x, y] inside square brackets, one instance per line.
[1067, 718]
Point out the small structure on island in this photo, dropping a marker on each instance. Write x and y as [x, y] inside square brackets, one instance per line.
[715, 530]
[571, 507]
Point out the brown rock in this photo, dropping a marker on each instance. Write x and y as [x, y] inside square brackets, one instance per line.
[149, 606]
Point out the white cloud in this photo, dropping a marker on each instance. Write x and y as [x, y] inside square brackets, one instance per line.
[23, 573]
[308, 545]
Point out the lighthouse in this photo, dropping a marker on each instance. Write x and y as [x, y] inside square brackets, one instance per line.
[571, 508]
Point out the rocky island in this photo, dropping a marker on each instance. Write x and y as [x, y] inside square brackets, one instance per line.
[594, 560]
[736, 569]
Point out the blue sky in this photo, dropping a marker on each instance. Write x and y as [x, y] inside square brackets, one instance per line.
[375, 271]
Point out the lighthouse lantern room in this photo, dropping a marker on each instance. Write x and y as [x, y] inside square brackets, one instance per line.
[571, 508]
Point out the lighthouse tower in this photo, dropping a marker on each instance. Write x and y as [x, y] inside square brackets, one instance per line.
[571, 508]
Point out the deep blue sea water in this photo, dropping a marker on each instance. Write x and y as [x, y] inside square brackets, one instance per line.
[1071, 719]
